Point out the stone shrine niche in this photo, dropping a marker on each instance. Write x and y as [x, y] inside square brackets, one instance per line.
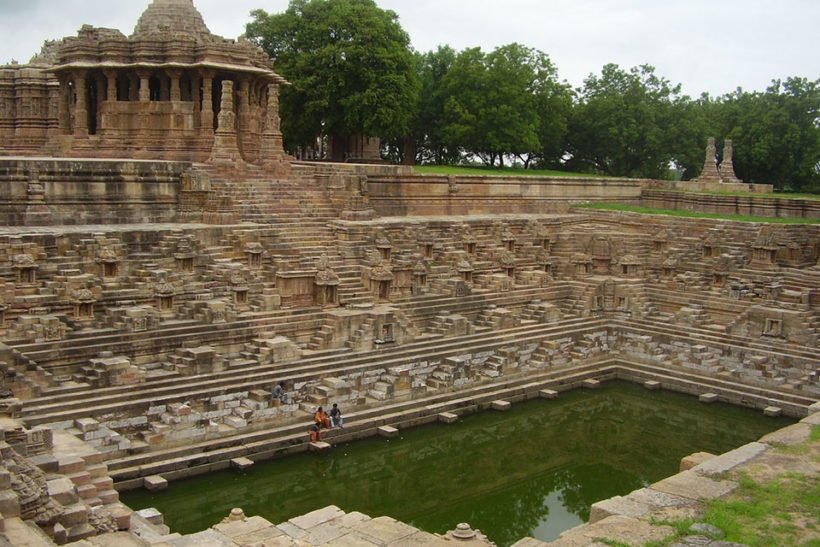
[26, 268]
[239, 288]
[426, 244]
[660, 243]
[420, 274]
[710, 246]
[465, 269]
[602, 254]
[508, 238]
[164, 294]
[184, 256]
[381, 277]
[253, 254]
[83, 301]
[720, 271]
[383, 246]
[507, 263]
[109, 263]
[469, 241]
[326, 283]
[581, 264]
[630, 266]
[669, 267]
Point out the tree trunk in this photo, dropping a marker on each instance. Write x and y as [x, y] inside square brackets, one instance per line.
[409, 151]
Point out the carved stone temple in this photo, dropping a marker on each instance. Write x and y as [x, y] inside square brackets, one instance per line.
[171, 90]
[178, 295]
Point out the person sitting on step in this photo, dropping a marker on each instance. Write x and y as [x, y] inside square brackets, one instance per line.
[336, 418]
[321, 418]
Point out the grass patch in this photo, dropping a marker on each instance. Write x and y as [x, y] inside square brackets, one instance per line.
[694, 214]
[487, 171]
[765, 514]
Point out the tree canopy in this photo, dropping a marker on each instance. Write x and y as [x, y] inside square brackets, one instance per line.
[350, 66]
[354, 73]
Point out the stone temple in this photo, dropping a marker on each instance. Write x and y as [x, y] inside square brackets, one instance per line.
[165, 264]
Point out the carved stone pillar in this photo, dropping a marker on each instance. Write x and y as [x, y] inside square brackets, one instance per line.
[111, 89]
[65, 106]
[226, 149]
[145, 86]
[207, 113]
[272, 153]
[176, 94]
[81, 104]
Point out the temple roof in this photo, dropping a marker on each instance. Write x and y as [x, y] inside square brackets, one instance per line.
[176, 17]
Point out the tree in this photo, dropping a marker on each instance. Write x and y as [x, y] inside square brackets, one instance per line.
[350, 66]
[776, 134]
[622, 125]
[502, 103]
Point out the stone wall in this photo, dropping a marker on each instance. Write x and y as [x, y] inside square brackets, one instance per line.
[57, 191]
[469, 195]
[730, 204]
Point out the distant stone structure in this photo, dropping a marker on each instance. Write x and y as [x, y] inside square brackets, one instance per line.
[725, 172]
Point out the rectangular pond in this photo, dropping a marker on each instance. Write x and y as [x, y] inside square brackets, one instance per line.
[532, 471]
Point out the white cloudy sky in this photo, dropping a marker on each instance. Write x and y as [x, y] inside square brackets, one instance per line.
[707, 45]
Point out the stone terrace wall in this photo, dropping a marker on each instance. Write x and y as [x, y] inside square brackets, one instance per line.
[464, 195]
[735, 205]
[36, 192]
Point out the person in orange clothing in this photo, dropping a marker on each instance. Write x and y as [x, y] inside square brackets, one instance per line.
[321, 418]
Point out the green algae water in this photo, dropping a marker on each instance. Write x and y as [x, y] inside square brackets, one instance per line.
[532, 471]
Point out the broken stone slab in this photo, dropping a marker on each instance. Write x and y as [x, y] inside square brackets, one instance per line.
[315, 518]
[62, 490]
[773, 411]
[502, 406]
[709, 398]
[591, 383]
[730, 460]
[319, 446]
[242, 463]
[447, 417]
[152, 515]
[548, 394]
[388, 432]
[694, 486]
[693, 460]
[652, 385]
[615, 528]
[154, 483]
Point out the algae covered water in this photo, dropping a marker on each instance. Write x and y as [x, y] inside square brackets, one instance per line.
[532, 471]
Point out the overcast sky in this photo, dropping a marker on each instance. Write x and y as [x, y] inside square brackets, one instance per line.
[706, 45]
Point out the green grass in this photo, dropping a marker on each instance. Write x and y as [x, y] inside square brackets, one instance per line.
[482, 171]
[694, 214]
[764, 514]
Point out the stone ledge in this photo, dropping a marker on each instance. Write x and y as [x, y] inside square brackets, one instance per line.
[501, 405]
[388, 432]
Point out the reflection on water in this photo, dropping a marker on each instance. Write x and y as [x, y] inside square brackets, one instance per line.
[534, 470]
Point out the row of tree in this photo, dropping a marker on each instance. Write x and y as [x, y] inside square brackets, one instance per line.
[353, 72]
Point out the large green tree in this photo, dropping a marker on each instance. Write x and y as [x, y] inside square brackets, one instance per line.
[350, 66]
[776, 133]
[504, 103]
[623, 123]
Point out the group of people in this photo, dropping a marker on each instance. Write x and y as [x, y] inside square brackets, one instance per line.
[325, 420]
